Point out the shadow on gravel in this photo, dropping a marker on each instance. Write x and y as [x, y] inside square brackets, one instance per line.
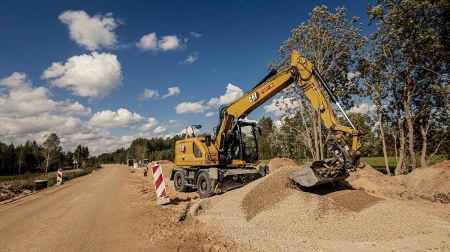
[176, 200]
[324, 189]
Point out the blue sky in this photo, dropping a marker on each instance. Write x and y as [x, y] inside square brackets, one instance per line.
[48, 50]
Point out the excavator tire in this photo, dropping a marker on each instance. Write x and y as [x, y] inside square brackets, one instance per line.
[204, 185]
[179, 181]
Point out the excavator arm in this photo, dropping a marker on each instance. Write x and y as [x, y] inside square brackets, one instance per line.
[302, 72]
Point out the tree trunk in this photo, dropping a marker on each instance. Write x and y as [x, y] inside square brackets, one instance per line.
[308, 132]
[410, 132]
[399, 169]
[383, 141]
[46, 166]
[319, 127]
[423, 156]
[395, 147]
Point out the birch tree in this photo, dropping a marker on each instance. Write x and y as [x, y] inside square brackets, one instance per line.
[50, 149]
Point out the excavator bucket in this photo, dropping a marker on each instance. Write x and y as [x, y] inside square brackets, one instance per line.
[317, 173]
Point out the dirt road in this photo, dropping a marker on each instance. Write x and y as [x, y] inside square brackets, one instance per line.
[111, 210]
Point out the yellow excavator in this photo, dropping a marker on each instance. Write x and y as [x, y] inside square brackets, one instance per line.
[212, 164]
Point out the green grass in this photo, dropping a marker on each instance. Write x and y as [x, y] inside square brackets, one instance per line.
[27, 179]
[23, 176]
[378, 162]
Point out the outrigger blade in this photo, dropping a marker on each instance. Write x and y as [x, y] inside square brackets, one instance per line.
[317, 173]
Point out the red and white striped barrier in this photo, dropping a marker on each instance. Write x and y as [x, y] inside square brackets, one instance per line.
[59, 177]
[160, 186]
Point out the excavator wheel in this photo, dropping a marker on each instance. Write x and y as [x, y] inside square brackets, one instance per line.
[204, 185]
[179, 181]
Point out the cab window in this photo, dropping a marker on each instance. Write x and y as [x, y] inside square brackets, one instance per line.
[197, 151]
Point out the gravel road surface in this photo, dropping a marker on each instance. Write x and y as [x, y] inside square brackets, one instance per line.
[110, 210]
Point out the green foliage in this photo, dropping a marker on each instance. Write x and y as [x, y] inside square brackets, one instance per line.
[141, 148]
[27, 160]
[81, 154]
[266, 143]
[333, 42]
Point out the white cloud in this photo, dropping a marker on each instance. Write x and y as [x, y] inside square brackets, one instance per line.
[159, 130]
[151, 122]
[15, 80]
[282, 105]
[362, 108]
[148, 42]
[190, 59]
[93, 76]
[209, 114]
[190, 107]
[171, 91]
[151, 42]
[170, 42]
[116, 119]
[29, 113]
[232, 93]
[195, 34]
[92, 33]
[22, 99]
[149, 94]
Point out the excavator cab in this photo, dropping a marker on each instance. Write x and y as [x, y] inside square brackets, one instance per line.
[243, 146]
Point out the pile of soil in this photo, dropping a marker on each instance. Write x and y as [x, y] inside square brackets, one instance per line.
[277, 187]
[277, 163]
[353, 200]
[11, 189]
[165, 162]
[179, 199]
[430, 183]
[167, 167]
[272, 215]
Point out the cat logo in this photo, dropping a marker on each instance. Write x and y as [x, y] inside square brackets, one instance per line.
[253, 97]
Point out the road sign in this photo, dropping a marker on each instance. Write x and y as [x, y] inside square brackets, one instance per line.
[160, 186]
[59, 177]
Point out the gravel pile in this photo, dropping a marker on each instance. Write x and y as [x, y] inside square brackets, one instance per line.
[272, 216]
[269, 192]
[277, 163]
[430, 183]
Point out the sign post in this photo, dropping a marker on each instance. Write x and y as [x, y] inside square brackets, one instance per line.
[160, 186]
[59, 177]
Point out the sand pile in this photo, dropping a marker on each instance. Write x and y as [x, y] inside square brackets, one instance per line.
[167, 167]
[277, 187]
[273, 216]
[277, 163]
[179, 199]
[430, 183]
[164, 162]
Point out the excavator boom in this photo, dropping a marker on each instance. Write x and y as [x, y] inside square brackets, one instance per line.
[302, 72]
